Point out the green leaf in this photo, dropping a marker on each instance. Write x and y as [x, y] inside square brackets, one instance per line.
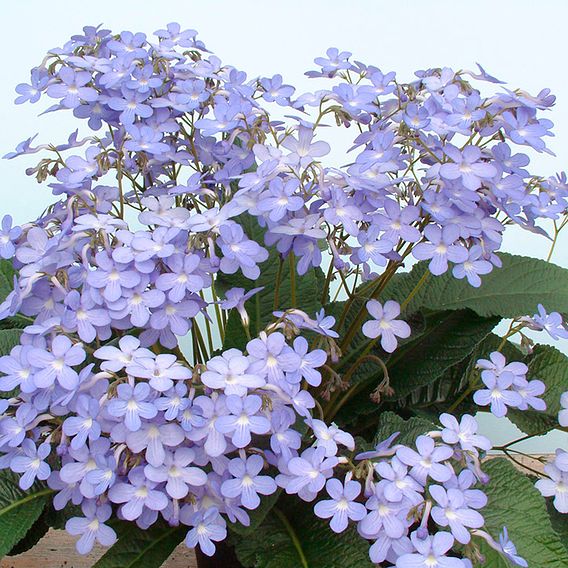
[6, 278]
[257, 515]
[559, 522]
[139, 548]
[292, 537]
[514, 502]
[19, 509]
[9, 338]
[449, 338]
[35, 533]
[390, 422]
[551, 367]
[308, 290]
[511, 291]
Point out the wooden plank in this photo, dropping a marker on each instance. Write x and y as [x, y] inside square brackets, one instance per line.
[57, 550]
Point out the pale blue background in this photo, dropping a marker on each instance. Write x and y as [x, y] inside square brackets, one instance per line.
[522, 42]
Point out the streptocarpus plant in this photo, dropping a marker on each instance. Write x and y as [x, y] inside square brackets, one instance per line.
[213, 334]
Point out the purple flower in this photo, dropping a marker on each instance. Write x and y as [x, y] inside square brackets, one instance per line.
[243, 420]
[183, 277]
[112, 277]
[397, 484]
[176, 473]
[8, 234]
[131, 105]
[334, 61]
[246, 484]
[269, 355]
[384, 516]
[329, 436]
[510, 550]
[303, 150]
[83, 315]
[342, 506]
[453, 511]
[563, 413]
[466, 165]
[116, 358]
[497, 394]
[85, 424]
[92, 527]
[430, 553]
[229, 372]
[530, 391]
[385, 325]
[416, 117]
[161, 371]
[308, 473]
[279, 198]
[556, 485]
[309, 362]
[441, 248]
[145, 139]
[551, 322]
[427, 461]
[236, 298]
[208, 527]
[463, 433]
[131, 403]
[153, 438]
[71, 88]
[57, 363]
[274, 90]
[31, 463]
[473, 267]
[239, 251]
[32, 92]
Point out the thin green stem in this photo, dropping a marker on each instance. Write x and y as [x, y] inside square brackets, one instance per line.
[293, 536]
[291, 256]
[277, 286]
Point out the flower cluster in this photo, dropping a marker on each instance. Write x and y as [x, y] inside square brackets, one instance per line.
[156, 218]
[507, 386]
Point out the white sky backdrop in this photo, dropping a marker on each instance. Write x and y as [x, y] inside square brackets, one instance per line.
[519, 41]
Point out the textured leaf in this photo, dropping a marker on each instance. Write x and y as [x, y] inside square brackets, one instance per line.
[138, 548]
[551, 367]
[6, 278]
[292, 537]
[513, 290]
[514, 502]
[559, 522]
[390, 422]
[257, 515]
[35, 533]
[308, 290]
[449, 338]
[19, 510]
[9, 338]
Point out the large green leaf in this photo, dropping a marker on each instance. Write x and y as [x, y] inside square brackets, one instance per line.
[292, 537]
[138, 548]
[449, 338]
[308, 289]
[257, 515]
[19, 509]
[6, 278]
[9, 338]
[515, 503]
[511, 291]
[551, 367]
[409, 430]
